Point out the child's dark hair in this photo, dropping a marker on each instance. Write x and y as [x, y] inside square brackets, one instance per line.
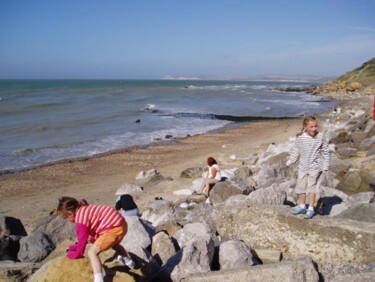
[211, 161]
[306, 120]
[69, 205]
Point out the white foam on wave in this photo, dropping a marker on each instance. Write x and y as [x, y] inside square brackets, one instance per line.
[149, 108]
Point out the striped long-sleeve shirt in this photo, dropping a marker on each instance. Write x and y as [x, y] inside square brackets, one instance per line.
[312, 152]
[91, 222]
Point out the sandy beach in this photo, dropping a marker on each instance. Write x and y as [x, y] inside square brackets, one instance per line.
[33, 194]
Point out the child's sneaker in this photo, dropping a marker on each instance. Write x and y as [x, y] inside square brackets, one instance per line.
[298, 210]
[127, 261]
[309, 214]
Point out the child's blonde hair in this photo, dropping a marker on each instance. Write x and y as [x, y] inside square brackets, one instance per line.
[69, 205]
[306, 120]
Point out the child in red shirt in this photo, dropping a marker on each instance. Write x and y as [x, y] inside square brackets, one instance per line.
[101, 225]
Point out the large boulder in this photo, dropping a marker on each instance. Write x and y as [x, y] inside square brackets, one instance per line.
[192, 172]
[300, 270]
[322, 238]
[195, 257]
[236, 254]
[156, 209]
[35, 247]
[267, 196]
[228, 188]
[56, 228]
[360, 212]
[139, 234]
[162, 247]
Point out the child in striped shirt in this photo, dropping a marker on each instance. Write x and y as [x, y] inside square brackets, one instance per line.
[311, 149]
[103, 226]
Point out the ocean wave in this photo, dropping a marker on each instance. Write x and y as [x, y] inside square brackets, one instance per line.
[239, 87]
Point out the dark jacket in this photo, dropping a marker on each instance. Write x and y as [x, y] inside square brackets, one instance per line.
[126, 203]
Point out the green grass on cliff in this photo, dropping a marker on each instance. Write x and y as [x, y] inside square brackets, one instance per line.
[365, 74]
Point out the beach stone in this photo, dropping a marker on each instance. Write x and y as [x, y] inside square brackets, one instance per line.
[146, 174]
[352, 183]
[371, 152]
[56, 228]
[195, 257]
[192, 231]
[193, 172]
[162, 247]
[155, 180]
[243, 172]
[139, 234]
[230, 187]
[367, 144]
[361, 198]
[11, 226]
[324, 239]
[128, 188]
[157, 208]
[202, 213]
[300, 270]
[338, 165]
[267, 256]
[363, 277]
[357, 138]
[347, 152]
[272, 173]
[360, 212]
[35, 247]
[234, 200]
[235, 254]
[342, 137]
[267, 196]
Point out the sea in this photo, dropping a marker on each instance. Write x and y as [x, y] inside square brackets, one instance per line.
[49, 121]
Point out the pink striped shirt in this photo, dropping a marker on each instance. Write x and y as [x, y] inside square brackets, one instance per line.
[98, 218]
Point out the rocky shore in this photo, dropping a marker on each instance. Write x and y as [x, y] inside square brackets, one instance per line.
[243, 232]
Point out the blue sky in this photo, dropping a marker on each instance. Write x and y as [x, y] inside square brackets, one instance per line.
[154, 39]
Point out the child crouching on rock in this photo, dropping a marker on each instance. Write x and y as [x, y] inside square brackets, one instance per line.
[101, 225]
[311, 149]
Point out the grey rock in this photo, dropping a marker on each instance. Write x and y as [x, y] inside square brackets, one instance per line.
[195, 257]
[363, 277]
[162, 247]
[193, 172]
[342, 137]
[367, 144]
[347, 152]
[236, 254]
[322, 238]
[56, 228]
[128, 188]
[230, 187]
[146, 174]
[267, 196]
[360, 212]
[156, 209]
[35, 247]
[139, 234]
[192, 231]
[235, 200]
[299, 270]
[243, 171]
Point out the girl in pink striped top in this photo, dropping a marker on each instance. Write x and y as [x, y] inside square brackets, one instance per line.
[101, 225]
